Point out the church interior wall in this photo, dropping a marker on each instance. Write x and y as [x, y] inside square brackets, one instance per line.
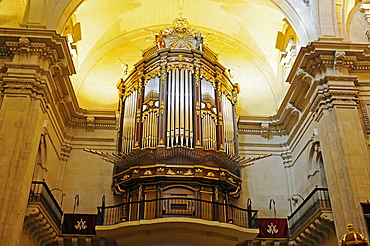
[356, 25]
[262, 182]
[90, 178]
[301, 140]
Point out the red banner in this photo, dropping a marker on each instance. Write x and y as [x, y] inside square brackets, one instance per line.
[273, 228]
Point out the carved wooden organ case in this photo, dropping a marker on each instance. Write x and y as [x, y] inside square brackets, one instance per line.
[177, 123]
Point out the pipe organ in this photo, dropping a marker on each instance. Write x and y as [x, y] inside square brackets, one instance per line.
[179, 98]
[178, 124]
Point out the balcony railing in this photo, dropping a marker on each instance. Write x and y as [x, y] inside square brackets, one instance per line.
[317, 200]
[40, 193]
[176, 207]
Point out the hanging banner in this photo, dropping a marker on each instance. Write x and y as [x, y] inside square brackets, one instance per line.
[273, 228]
[79, 224]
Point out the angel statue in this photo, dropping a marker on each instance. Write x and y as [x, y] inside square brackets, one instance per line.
[124, 67]
[159, 39]
[198, 41]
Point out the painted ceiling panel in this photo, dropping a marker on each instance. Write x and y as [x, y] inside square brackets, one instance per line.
[242, 32]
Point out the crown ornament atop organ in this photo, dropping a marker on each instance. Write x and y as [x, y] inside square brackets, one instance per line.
[178, 119]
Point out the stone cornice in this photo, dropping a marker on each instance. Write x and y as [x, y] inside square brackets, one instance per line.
[334, 93]
[28, 86]
[320, 78]
[47, 42]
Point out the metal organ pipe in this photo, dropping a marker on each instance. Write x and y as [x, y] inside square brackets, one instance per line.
[228, 125]
[187, 108]
[191, 109]
[182, 107]
[179, 106]
[128, 132]
[208, 123]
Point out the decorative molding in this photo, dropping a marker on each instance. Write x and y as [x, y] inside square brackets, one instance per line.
[265, 129]
[327, 98]
[365, 115]
[90, 123]
[317, 231]
[180, 171]
[39, 227]
[24, 45]
[94, 139]
[295, 111]
[32, 87]
[287, 158]
[93, 122]
[275, 130]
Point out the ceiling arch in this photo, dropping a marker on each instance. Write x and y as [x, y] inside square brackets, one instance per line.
[242, 32]
[245, 33]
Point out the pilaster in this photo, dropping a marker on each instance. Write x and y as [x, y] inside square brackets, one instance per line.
[34, 65]
[343, 148]
[327, 20]
[325, 87]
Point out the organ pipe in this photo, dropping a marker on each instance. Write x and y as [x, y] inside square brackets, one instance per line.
[184, 93]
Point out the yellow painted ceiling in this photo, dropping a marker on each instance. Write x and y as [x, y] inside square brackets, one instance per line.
[242, 32]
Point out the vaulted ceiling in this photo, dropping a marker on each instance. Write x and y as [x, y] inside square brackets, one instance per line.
[108, 33]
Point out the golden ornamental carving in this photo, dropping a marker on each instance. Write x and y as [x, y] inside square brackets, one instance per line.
[210, 174]
[181, 58]
[188, 173]
[162, 108]
[231, 180]
[148, 172]
[135, 171]
[197, 108]
[207, 75]
[197, 76]
[170, 172]
[125, 177]
[160, 169]
[180, 66]
[152, 74]
[138, 115]
[198, 170]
